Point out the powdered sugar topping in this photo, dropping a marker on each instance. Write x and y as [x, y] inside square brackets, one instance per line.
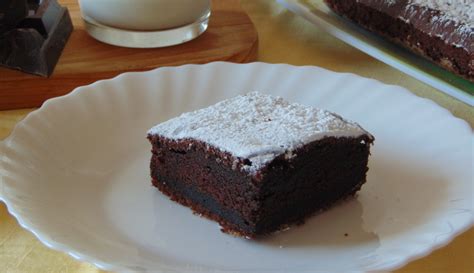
[450, 20]
[257, 127]
[458, 10]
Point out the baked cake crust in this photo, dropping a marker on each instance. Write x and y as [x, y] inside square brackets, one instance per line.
[254, 187]
[440, 30]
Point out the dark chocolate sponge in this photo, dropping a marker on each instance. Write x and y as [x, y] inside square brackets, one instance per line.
[439, 30]
[280, 181]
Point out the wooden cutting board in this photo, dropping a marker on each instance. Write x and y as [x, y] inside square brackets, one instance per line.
[231, 36]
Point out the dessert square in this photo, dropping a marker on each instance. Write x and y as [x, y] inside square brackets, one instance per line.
[256, 163]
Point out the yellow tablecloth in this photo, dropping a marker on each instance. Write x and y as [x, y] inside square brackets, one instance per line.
[284, 38]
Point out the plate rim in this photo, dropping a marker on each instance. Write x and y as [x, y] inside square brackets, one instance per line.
[83, 257]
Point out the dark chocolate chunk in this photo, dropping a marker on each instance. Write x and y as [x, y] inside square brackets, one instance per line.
[33, 4]
[44, 17]
[18, 42]
[35, 44]
[11, 13]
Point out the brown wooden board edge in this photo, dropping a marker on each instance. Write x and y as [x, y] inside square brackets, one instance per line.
[19, 90]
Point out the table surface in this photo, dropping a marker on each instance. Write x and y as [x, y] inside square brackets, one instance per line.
[284, 38]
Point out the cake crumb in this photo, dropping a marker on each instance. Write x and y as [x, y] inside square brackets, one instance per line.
[235, 164]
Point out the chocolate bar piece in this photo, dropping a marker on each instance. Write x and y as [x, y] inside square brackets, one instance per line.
[11, 13]
[35, 43]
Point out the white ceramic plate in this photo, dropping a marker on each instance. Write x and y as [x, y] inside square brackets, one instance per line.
[319, 14]
[75, 173]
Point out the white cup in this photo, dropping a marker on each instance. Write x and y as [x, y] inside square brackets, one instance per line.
[145, 23]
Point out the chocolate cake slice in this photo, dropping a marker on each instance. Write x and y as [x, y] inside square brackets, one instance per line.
[440, 30]
[256, 163]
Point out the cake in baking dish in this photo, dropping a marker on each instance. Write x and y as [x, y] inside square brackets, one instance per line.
[257, 163]
[440, 30]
